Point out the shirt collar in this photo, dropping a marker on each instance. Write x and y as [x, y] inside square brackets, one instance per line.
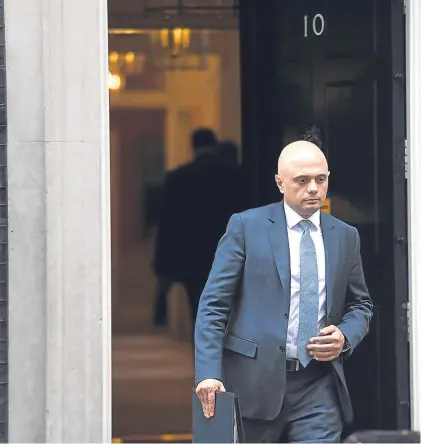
[293, 218]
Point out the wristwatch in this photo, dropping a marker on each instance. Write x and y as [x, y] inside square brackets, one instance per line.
[347, 346]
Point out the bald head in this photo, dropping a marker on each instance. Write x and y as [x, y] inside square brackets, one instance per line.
[300, 152]
[302, 177]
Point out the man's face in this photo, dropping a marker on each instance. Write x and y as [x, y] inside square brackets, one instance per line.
[304, 182]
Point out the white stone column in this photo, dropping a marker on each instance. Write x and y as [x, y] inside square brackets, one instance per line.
[414, 198]
[59, 218]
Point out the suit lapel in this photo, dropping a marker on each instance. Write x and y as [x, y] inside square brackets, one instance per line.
[278, 236]
[331, 257]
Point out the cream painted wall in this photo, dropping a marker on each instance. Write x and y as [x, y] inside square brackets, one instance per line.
[227, 45]
[190, 98]
[194, 99]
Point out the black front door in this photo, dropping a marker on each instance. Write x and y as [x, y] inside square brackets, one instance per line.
[338, 65]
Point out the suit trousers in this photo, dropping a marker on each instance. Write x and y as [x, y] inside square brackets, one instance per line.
[310, 410]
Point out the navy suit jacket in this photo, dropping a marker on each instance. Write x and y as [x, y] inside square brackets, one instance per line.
[242, 321]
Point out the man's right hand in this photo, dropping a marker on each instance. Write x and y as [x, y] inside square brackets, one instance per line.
[206, 390]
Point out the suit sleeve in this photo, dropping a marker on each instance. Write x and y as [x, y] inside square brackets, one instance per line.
[358, 305]
[216, 300]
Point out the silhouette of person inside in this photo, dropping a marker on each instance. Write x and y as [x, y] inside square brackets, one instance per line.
[198, 200]
[228, 150]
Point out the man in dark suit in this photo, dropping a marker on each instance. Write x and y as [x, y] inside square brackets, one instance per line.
[284, 304]
[199, 199]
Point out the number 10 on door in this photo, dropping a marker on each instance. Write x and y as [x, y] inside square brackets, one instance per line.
[317, 26]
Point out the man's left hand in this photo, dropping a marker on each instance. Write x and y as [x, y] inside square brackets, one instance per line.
[328, 346]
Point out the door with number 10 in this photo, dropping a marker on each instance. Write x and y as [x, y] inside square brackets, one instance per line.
[330, 63]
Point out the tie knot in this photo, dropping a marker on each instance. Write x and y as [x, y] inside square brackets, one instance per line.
[305, 225]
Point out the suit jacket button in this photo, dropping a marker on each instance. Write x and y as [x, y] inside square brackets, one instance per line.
[286, 315]
[282, 348]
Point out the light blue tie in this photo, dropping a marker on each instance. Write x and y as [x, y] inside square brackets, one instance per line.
[309, 294]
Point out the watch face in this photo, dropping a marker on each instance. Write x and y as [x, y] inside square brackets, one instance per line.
[346, 346]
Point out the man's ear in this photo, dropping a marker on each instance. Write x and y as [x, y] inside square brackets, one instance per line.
[279, 183]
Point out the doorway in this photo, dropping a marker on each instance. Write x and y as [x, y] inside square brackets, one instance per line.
[339, 65]
[158, 97]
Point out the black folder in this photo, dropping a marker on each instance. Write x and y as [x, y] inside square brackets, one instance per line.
[225, 426]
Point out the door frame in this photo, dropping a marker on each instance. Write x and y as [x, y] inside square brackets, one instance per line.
[396, 99]
[4, 244]
[413, 98]
[400, 250]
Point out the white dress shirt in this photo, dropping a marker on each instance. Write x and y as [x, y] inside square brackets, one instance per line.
[294, 238]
